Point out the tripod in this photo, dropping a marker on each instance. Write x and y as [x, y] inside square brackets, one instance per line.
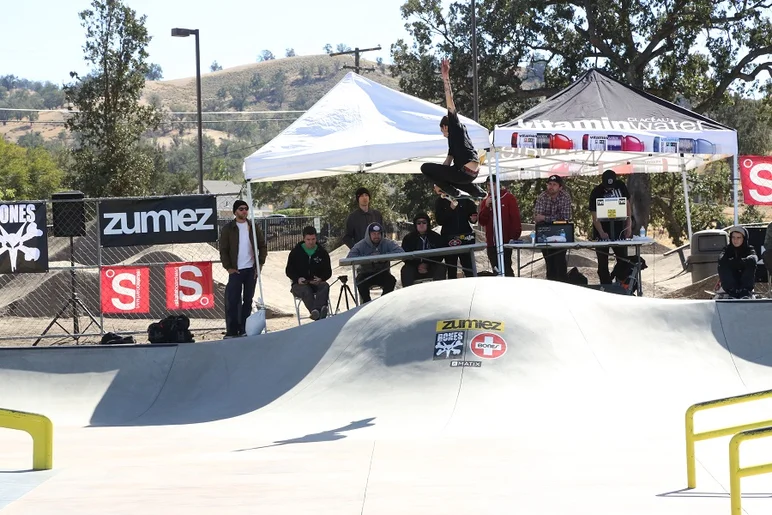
[345, 293]
[73, 302]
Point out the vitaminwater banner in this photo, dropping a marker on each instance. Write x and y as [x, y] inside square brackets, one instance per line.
[23, 238]
[599, 114]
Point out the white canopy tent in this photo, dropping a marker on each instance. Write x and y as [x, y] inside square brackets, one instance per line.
[599, 123]
[359, 126]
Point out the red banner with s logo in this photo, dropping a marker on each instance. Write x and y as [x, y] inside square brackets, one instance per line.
[189, 286]
[125, 289]
[756, 178]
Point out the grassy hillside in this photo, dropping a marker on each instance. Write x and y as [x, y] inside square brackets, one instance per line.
[304, 80]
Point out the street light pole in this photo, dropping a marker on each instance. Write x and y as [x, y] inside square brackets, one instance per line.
[185, 33]
[476, 106]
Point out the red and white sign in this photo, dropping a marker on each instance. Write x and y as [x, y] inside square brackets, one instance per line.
[125, 289]
[756, 178]
[189, 286]
[488, 346]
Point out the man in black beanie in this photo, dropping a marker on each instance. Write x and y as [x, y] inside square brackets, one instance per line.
[611, 187]
[360, 218]
[237, 256]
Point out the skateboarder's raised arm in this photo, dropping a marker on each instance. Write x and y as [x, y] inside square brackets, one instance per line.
[445, 70]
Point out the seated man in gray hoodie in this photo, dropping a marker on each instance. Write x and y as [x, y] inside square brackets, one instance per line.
[374, 274]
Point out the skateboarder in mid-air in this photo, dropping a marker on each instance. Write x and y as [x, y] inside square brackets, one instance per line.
[451, 178]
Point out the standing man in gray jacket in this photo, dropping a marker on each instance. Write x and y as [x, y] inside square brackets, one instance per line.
[360, 218]
[374, 274]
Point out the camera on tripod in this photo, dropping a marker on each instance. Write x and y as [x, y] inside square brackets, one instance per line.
[343, 278]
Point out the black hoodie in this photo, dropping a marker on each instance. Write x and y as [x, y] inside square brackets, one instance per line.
[415, 241]
[737, 258]
[300, 264]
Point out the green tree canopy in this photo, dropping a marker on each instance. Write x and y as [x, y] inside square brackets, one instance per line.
[27, 173]
[108, 158]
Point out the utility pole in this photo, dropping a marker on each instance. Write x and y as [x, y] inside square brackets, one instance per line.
[356, 53]
[475, 80]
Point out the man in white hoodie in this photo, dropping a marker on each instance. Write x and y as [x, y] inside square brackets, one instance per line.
[374, 274]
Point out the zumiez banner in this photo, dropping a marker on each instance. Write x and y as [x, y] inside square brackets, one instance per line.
[187, 219]
[23, 238]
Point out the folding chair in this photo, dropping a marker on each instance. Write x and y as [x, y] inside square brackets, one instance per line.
[299, 303]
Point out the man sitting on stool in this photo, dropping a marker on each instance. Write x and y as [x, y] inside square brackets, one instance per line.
[422, 238]
[308, 265]
[374, 274]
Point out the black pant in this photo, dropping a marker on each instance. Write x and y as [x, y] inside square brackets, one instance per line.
[557, 266]
[466, 262]
[766, 256]
[737, 283]
[450, 179]
[238, 300]
[622, 268]
[494, 259]
[410, 274]
[314, 296]
[385, 280]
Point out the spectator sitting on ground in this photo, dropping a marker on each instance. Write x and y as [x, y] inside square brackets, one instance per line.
[308, 265]
[737, 265]
[422, 238]
[377, 273]
[359, 219]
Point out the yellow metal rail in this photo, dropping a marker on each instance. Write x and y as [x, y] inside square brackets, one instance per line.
[39, 428]
[691, 437]
[736, 473]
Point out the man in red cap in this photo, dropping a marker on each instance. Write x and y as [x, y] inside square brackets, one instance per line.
[551, 205]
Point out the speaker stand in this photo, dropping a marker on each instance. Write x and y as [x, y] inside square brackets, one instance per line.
[73, 303]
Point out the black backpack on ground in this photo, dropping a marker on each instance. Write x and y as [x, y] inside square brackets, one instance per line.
[172, 329]
[116, 339]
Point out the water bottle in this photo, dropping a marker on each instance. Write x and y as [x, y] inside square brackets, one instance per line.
[643, 232]
[533, 236]
[562, 235]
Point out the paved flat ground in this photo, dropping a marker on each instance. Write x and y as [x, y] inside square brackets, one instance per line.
[577, 406]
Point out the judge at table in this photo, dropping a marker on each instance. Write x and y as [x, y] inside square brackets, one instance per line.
[377, 273]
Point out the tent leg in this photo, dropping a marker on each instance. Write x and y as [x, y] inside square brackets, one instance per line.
[686, 203]
[260, 303]
[498, 224]
[736, 187]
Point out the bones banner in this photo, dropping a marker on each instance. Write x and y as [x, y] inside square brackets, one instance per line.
[184, 219]
[23, 238]
[189, 286]
[125, 289]
[756, 178]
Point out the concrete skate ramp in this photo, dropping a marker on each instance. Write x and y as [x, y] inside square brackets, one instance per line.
[582, 413]
[563, 342]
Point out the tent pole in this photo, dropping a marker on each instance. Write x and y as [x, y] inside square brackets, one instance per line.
[686, 201]
[260, 303]
[735, 186]
[499, 223]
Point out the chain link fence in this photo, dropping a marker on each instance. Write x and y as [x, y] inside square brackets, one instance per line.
[64, 305]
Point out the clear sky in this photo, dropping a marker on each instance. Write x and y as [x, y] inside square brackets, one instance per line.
[43, 39]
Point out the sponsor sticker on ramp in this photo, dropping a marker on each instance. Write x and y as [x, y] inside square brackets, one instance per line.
[488, 345]
[465, 324]
[461, 363]
[449, 345]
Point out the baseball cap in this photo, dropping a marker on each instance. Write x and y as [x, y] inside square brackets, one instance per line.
[556, 178]
[609, 176]
[375, 228]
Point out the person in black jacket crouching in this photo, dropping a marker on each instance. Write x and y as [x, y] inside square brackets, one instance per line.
[737, 264]
[308, 265]
[422, 238]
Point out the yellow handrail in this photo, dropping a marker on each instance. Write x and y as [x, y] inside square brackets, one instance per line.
[691, 437]
[736, 473]
[39, 428]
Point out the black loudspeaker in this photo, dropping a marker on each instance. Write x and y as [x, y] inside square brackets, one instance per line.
[69, 213]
